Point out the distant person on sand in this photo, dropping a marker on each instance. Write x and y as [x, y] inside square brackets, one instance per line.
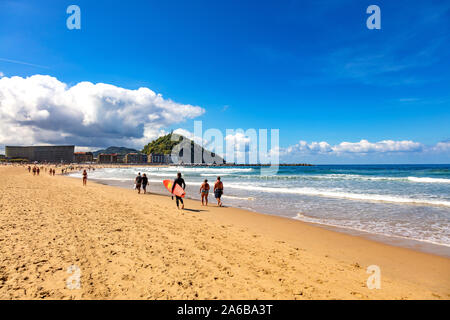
[84, 177]
[29, 169]
[180, 181]
[38, 170]
[34, 171]
[204, 191]
[138, 182]
[218, 191]
[144, 183]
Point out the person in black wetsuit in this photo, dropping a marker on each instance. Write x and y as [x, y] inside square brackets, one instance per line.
[180, 181]
[138, 182]
[144, 183]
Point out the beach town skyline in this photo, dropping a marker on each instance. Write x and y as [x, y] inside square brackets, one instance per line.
[360, 96]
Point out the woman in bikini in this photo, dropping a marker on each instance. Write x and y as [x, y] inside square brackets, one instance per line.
[84, 177]
[204, 190]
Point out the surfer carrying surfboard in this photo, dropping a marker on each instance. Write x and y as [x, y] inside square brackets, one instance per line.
[179, 181]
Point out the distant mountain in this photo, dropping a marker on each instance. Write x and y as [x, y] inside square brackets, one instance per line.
[118, 150]
[165, 145]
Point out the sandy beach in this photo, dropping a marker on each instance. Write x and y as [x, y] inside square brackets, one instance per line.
[130, 246]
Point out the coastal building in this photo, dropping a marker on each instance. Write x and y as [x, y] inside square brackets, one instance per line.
[120, 158]
[82, 157]
[41, 153]
[136, 158]
[107, 158]
[159, 158]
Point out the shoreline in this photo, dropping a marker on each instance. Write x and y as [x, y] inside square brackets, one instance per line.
[134, 246]
[397, 241]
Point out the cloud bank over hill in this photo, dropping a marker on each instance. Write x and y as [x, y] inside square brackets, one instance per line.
[42, 109]
[364, 151]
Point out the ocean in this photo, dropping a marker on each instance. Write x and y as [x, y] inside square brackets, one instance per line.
[410, 202]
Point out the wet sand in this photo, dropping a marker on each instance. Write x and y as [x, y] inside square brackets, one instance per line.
[130, 246]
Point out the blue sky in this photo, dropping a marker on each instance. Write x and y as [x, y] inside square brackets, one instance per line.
[311, 69]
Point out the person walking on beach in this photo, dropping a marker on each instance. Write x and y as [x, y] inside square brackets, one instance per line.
[218, 191]
[180, 181]
[138, 182]
[29, 169]
[144, 183]
[204, 190]
[37, 170]
[34, 170]
[84, 177]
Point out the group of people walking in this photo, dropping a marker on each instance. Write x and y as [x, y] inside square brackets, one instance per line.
[218, 191]
[37, 170]
[142, 182]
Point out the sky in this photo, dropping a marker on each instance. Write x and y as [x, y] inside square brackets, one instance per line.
[337, 91]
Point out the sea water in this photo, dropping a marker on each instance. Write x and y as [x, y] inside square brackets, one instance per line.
[404, 201]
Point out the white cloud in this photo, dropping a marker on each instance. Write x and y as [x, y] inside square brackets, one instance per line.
[442, 146]
[365, 146]
[385, 151]
[42, 109]
[239, 140]
[314, 147]
[185, 133]
[361, 147]
[86, 149]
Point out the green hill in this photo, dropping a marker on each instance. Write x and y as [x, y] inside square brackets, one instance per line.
[162, 145]
[165, 145]
[118, 150]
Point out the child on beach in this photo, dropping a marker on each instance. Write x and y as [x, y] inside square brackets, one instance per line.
[204, 190]
[84, 178]
[218, 191]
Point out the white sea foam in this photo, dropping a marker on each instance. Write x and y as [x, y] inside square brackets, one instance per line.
[239, 198]
[342, 195]
[348, 177]
[215, 170]
[214, 174]
[428, 180]
[382, 229]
